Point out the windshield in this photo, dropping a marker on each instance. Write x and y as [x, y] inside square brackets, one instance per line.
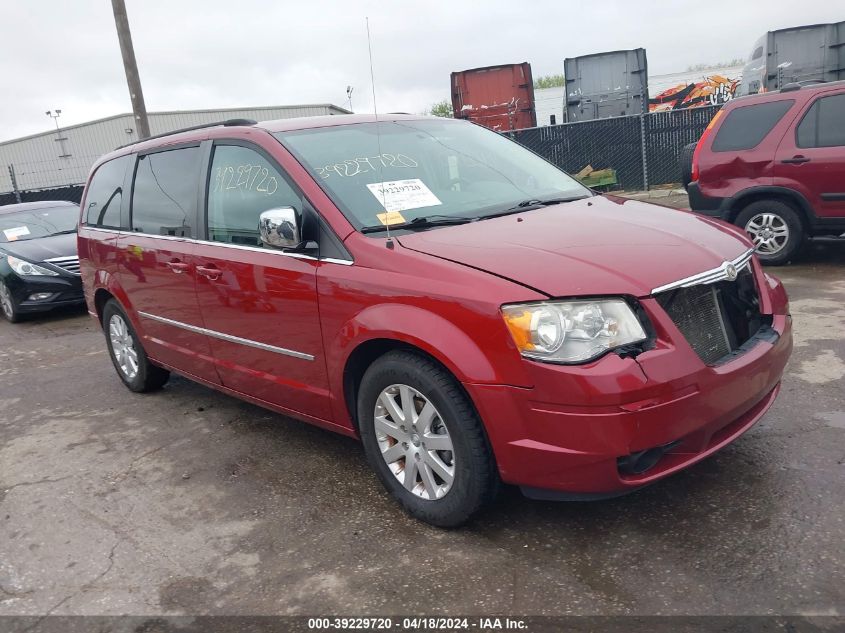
[35, 223]
[425, 168]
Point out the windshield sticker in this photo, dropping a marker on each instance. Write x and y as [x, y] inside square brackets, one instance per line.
[391, 217]
[400, 195]
[16, 232]
[356, 166]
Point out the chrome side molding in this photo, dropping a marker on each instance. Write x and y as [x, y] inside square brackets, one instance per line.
[227, 337]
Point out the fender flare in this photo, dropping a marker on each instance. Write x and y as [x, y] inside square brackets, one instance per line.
[734, 203]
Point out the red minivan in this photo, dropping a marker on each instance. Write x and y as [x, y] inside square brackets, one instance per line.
[470, 312]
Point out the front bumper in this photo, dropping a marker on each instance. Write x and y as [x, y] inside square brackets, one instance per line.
[568, 432]
[64, 290]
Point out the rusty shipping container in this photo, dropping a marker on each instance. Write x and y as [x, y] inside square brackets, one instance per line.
[498, 97]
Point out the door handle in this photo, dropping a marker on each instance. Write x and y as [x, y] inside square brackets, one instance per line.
[178, 267]
[796, 160]
[210, 272]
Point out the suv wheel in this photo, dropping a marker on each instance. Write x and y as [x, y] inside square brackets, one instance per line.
[7, 304]
[424, 439]
[686, 164]
[775, 228]
[127, 355]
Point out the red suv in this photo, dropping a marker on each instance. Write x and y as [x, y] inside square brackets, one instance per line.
[468, 310]
[774, 164]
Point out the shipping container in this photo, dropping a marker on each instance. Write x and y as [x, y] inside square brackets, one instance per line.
[498, 97]
[605, 85]
[802, 53]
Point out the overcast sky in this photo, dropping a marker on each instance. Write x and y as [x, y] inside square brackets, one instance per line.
[210, 53]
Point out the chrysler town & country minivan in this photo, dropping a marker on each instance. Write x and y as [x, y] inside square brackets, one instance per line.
[469, 311]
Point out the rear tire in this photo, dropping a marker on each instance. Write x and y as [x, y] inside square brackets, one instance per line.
[7, 304]
[448, 484]
[775, 228]
[686, 164]
[127, 354]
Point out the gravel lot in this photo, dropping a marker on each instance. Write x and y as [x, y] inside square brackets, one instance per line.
[188, 501]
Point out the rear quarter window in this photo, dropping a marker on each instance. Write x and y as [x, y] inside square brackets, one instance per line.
[745, 127]
[105, 195]
[824, 123]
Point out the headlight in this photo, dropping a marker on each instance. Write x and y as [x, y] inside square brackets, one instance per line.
[572, 331]
[28, 268]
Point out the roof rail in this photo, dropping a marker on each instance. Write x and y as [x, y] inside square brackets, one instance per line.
[797, 85]
[226, 123]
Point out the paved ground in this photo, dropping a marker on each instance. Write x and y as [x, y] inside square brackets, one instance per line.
[676, 198]
[188, 501]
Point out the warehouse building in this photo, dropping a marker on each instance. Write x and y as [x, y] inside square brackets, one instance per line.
[60, 159]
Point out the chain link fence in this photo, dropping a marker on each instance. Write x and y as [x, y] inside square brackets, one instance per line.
[623, 153]
[71, 193]
[37, 181]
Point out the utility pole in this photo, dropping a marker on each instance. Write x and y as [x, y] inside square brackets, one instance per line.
[133, 79]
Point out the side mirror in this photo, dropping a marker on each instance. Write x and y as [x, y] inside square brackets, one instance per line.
[280, 228]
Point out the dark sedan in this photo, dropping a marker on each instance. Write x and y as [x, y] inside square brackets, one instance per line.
[39, 267]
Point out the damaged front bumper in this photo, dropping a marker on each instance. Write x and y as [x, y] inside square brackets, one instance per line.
[578, 431]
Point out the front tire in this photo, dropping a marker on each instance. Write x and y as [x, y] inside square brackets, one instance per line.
[424, 439]
[127, 354]
[775, 228]
[7, 304]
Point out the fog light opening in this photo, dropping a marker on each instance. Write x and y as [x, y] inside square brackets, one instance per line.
[642, 461]
[40, 296]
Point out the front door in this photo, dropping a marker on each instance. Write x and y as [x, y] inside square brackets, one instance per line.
[812, 160]
[259, 305]
[154, 261]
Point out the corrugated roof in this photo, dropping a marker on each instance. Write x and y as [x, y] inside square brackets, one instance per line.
[176, 112]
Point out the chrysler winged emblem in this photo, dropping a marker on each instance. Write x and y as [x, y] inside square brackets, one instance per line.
[730, 271]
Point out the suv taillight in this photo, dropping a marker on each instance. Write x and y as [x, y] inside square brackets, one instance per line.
[700, 144]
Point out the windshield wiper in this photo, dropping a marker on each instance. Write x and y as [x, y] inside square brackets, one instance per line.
[63, 232]
[528, 205]
[421, 222]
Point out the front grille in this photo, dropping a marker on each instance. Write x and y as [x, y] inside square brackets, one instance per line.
[716, 319]
[70, 264]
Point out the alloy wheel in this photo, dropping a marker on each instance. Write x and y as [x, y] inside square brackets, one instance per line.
[414, 442]
[6, 301]
[123, 346]
[769, 232]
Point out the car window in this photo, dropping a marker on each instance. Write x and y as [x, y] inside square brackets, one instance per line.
[105, 194]
[34, 223]
[241, 186]
[164, 193]
[757, 54]
[746, 126]
[824, 123]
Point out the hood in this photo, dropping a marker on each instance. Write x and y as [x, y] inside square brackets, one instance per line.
[41, 248]
[602, 245]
